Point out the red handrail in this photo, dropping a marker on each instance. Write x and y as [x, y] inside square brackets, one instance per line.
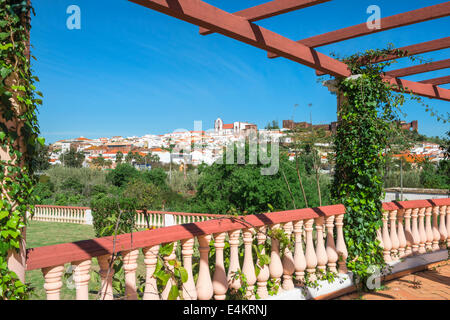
[59, 254]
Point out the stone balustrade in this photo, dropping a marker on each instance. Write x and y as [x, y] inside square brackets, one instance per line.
[411, 228]
[317, 234]
[83, 215]
[66, 214]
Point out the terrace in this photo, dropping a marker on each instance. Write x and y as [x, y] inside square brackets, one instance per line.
[415, 234]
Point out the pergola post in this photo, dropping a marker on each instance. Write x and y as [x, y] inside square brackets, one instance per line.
[16, 259]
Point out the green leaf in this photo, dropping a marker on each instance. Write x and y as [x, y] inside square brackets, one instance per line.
[183, 274]
[166, 249]
[41, 141]
[173, 293]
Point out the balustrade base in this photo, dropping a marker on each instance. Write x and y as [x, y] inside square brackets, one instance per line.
[342, 281]
[345, 281]
[417, 261]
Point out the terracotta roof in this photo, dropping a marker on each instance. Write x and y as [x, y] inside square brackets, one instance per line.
[228, 126]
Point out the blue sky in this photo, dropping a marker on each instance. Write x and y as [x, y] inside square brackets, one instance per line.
[133, 71]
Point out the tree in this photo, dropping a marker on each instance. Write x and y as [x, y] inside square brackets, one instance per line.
[72, 158]
[157, 177]
[151, 158]
[41, 160]
[119, 157]
[129, 157]
[146, 195]
[305, 142]
[226, 188]
[272, 125]
[99, 161]
[122, 174]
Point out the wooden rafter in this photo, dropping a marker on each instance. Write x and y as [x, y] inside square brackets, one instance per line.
[421, 89]
[271, 9]
[205, 15]
[395, 21]
[437, 81]
[411, 50]
[421, 68]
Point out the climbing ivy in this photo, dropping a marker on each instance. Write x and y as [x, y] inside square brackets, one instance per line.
[18, 136]
[366, 118]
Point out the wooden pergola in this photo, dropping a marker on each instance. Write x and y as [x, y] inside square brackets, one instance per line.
[240, 26]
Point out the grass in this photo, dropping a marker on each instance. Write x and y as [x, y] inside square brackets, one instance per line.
[49, 233]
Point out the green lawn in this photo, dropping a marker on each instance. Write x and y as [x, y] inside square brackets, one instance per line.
[50, 233]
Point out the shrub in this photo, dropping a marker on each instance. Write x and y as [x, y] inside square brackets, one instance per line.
[107, 210]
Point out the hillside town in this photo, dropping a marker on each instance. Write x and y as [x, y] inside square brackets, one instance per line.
[206, 146]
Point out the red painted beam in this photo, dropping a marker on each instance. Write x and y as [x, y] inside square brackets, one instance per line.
[205, 15]
[421, 89]
[270, 9]
[58, 254]
[426, 67]
[437, 81]
[411, 50]
[395, 21]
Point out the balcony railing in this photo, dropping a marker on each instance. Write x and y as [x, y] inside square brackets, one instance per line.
[410, 228]
[83, 215]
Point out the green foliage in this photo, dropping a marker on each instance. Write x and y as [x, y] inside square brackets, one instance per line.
[41, 161]
[364, 130]
[157, 177]
[18, 136]
[108, 212]
[272, 125]
[145, 195]
[72, 158]
[122, 174]
[71, 186]
[223, 188]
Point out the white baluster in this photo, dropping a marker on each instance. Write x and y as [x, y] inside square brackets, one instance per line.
[341, 248]
[189, 290]
[106, 275]
[321, 252]
[299, 256]
[275, 266]
[310, 254]
[233, 282]
[248, 268]
[401, 233]
[220, 283]
[422, 233]
[204, 285]
[394, 238]
[130, 266]
[81, 277]
[428, 230]
[408, 232]
[264, 273]
[436, 234]
[150, 261]
[288, 261]
[386, 238]
[442, 229]
[331, 247]
[415, 231]
[53, 281]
